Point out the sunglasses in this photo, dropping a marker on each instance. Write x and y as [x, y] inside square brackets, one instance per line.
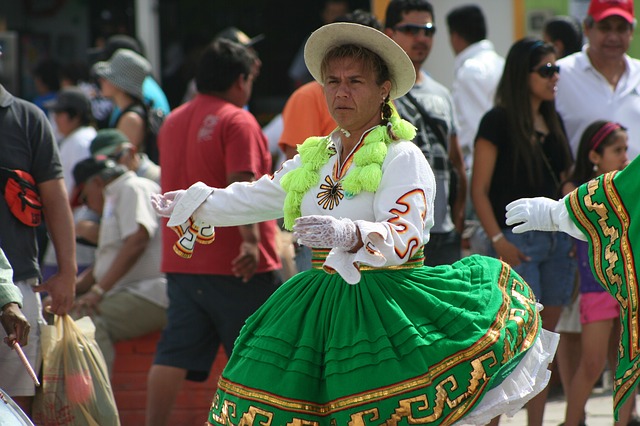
[412, 29]
[547, 70]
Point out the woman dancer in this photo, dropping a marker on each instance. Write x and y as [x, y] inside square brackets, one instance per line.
[369, 335]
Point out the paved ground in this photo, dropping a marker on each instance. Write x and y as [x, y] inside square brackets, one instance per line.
[599, 411]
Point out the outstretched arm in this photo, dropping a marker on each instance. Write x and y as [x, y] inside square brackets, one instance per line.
[240, 203]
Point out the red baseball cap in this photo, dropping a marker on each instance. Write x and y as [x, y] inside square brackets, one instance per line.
[601, 9]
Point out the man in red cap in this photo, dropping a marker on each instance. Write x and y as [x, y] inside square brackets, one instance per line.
[599, 83]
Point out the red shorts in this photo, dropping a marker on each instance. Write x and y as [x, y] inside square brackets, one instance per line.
[598, 306]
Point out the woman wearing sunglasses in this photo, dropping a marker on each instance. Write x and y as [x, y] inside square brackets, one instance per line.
[521, 148]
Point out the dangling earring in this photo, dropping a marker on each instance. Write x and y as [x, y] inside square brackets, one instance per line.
[595, 167]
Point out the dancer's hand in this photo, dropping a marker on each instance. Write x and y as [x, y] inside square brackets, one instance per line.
[164, 204]
[326, 231]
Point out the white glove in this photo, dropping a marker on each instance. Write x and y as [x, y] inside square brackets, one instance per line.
[325, 231]
[533, 214]
[541, 214]
[164, 204]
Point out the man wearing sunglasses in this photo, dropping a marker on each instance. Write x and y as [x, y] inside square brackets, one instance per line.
[429, 107]
[599, 83]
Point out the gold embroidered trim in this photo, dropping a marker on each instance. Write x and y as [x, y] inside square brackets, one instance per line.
[319, 255]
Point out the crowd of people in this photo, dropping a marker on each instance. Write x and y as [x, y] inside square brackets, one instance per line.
[339, 276]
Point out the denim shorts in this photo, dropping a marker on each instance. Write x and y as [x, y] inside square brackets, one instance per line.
[551, 271]
[204, 312]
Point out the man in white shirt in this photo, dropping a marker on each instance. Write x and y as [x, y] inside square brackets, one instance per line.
[477, 70]
[601, 82]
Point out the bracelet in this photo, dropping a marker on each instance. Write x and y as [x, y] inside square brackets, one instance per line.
[497, 237]
[97, 290]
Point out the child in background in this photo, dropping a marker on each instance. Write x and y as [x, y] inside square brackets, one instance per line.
[602, 149]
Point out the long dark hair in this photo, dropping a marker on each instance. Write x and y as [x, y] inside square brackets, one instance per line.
[583, 168]
[513, 95]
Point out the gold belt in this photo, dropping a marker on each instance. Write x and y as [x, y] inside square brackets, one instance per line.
[319, 255]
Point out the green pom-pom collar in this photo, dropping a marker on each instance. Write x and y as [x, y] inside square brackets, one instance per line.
[366, 172]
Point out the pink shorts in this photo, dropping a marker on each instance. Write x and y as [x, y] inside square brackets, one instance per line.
[598, 307]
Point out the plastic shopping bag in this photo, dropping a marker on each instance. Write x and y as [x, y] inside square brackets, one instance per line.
[75, 382]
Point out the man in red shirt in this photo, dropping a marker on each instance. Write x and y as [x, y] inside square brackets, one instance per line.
[214, 140]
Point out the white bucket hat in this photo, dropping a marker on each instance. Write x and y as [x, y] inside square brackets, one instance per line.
[403, 75]
[125, 70]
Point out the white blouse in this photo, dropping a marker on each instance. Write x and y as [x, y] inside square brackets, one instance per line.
[394, 221]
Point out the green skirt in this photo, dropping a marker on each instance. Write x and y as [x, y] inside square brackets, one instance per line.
[417, 345]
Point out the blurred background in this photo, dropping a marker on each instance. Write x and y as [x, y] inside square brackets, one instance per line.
[173, 31]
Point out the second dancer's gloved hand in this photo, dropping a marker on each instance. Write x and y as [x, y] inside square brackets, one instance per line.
[532, 214]
[541, 214]
[164, 204]
[325, 231]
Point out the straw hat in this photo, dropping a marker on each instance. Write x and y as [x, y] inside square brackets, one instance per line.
[125, 70]
[403, 75]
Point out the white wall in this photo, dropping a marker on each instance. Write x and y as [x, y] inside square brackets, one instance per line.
[499, 17]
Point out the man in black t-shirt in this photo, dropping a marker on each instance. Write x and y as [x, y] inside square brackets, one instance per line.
[27, 143]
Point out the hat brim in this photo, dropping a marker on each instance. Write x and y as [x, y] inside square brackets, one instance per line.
[403, 75]
[615, 11]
